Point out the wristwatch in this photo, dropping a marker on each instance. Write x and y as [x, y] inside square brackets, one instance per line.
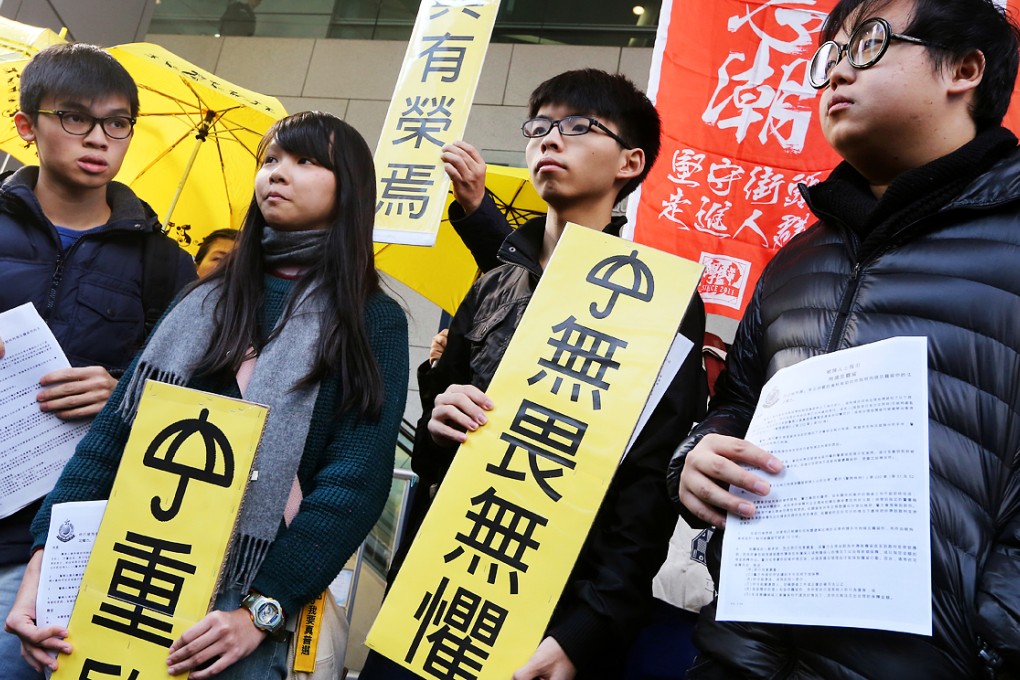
[266, 613]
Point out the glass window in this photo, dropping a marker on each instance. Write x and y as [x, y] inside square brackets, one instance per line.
[568, 22]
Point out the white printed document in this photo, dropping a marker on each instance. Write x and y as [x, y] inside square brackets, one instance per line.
[34, 446]
[843, 538]
[675, 358]
[73, 530]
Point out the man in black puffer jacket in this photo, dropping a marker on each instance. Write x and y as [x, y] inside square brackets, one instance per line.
[918, 234]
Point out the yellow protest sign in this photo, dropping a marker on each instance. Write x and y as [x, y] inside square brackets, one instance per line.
[482, 578]
[167, 525]
[429, 108]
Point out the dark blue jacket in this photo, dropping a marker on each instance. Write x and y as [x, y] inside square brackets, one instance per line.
[90, 296]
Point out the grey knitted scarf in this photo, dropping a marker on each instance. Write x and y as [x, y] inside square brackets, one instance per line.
[178, 345]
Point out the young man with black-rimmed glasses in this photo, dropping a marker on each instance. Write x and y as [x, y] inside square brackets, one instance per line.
[591, 137]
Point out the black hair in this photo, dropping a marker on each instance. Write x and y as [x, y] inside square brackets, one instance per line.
[345, 272]
[210, 239]
[955, 28]
[613, 98]
[75, 71]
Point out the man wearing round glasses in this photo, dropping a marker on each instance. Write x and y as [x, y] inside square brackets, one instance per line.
[918, 234]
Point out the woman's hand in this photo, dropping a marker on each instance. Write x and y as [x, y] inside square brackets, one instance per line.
[36, 643]
[231, 636]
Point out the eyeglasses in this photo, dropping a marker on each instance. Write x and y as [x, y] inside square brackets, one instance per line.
[868, 43]
[75, 123]
[569, 126]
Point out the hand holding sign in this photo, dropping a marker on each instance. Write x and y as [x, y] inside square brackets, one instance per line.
[549, 662]
[227, 637]
[466, 168]
[459, 409]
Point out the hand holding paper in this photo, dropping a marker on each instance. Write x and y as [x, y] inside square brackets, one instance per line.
[34, 446]
[717, 459]
[36, 642]
[79, 392]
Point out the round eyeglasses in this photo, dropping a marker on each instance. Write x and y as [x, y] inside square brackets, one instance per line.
[75, 123]
[868, 43]
[569, 126]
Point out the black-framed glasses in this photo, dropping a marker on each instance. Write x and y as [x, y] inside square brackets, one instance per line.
[868, 43]
[569, 126]
[77, 123]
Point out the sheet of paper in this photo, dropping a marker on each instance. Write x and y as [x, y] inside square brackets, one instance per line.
[843, 538]
[678, 352]
[73, 530]
[34, 446]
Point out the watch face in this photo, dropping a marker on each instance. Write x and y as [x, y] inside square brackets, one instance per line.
[268, 614]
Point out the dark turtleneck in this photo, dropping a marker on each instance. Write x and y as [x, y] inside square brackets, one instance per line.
[917, 193]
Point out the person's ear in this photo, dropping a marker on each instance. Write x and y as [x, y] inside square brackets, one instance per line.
[24, 125]
[632, 164]
[967, 72]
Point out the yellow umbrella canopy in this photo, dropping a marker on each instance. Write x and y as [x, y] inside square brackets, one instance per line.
[18, 40]
[193, 155]
[18, 43]
[445, 272]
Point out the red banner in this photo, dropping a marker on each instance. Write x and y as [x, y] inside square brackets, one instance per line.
[740, 132]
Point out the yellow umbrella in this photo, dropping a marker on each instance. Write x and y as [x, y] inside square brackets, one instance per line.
[193, 152]
[18, 43]
[445, 272]
[18, 40]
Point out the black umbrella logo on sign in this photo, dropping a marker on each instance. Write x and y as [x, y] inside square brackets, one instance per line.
[612, 274]
[214, 441]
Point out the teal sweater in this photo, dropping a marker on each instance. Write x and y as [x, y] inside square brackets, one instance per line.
[345, 470]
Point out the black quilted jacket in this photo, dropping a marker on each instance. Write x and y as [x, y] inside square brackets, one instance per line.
[953, 276]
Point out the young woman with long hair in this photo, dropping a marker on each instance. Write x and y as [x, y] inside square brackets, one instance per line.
[296, 320]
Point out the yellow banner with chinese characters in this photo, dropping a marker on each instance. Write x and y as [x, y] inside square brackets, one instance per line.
[155, 562]
[492, 557]
[429, 108]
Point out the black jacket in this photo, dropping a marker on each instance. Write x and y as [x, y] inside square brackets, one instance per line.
[90, 295]
[483, 231]
[607, 595]
[950, 274]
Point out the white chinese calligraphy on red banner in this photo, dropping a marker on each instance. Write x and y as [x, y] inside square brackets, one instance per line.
[739, 135]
